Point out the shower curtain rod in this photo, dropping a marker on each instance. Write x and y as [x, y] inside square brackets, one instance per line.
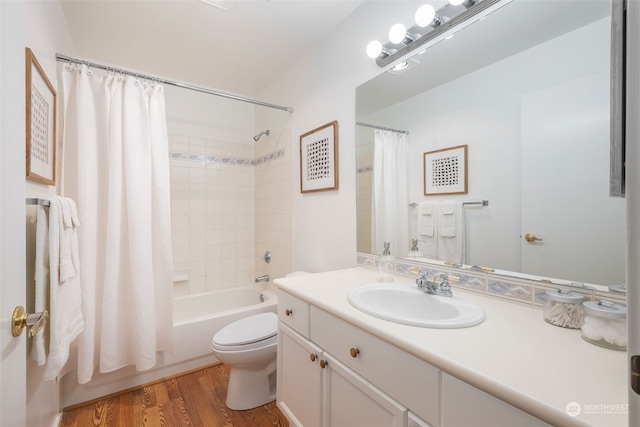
[64, 58]
[382, 128]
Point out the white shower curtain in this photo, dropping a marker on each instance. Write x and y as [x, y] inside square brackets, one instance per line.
[390, 200]
[116, 167]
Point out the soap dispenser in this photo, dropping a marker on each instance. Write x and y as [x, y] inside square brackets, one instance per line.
[386, 264]
[414, 253]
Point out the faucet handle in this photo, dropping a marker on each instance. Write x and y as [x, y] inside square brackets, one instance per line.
[422, 277]
[423, 273]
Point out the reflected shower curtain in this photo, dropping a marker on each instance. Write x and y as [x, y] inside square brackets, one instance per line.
[116, 167]
[390, 200]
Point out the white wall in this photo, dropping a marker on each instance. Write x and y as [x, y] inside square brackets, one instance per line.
[321, 87]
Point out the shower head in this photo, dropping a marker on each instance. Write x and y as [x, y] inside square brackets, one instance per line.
[257, 137]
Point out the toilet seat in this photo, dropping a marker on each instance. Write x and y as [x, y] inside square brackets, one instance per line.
[252, 332]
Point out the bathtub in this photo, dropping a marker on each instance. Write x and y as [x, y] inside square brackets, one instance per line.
[196, 319]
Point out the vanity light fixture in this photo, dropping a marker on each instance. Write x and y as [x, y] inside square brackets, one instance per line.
[466, 3]
[426, 15]
[431, 26]
[398, 34]
[376, 50]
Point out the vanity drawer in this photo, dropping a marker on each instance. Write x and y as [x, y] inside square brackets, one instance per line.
[294, 313]
[412, 382]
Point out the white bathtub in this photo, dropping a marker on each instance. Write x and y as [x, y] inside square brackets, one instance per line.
[196, 319]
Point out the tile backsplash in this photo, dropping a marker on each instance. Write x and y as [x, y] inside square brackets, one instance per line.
[520, 291]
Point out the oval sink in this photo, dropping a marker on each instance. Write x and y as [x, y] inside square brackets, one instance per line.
[409, 306]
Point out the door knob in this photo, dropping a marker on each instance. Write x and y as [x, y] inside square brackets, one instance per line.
[530, 237]
[21, 319]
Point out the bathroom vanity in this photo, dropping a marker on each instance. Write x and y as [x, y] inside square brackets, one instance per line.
[338, 366]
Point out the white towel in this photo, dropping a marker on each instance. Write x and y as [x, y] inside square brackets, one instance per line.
[41, 277]
[427, 223]
[65, 315]
[451, 233]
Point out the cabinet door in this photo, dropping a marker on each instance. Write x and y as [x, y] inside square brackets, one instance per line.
[464, 405]
[352, 401]
[299, 379]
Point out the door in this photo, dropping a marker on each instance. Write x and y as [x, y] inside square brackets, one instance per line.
[351, 401]
[12, 195]
[566, 127]
[299, 378]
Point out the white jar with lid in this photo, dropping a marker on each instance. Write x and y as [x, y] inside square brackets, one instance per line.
[563, 308]
[605, 324]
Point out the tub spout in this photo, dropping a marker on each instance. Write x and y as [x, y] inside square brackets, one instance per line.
[264, 278]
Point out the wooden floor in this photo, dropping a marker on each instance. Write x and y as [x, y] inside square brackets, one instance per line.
[194, 399]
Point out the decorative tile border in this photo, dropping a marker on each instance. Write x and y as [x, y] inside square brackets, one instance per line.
[519, 291]
[513, 290]
[202, 158]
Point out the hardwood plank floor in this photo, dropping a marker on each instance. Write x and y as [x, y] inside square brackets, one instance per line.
[195, 399]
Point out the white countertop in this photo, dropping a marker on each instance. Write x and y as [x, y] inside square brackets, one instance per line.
[514, 354]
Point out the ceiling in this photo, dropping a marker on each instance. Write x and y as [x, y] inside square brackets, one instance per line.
[239, 50]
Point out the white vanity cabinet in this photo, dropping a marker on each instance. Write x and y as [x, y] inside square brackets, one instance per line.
[349, 400]
[316, 388]
[408, 380]
[464, 405]
[299, 378]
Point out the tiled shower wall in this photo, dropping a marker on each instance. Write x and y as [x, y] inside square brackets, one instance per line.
[213, 213]
[274, 204]
[230, 202]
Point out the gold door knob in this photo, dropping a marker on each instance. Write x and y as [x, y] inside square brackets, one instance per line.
[323, 364]
[313, 357]
[22, 319]
[530, 237]
[354, 352]
[288, 312]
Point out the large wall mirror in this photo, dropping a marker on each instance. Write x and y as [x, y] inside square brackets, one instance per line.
[527, 90]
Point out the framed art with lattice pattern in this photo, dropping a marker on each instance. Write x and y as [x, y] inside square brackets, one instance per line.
[445, 171]
[41, 123]
[319, 159]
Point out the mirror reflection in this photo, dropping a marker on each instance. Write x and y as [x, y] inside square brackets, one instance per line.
[526, 90]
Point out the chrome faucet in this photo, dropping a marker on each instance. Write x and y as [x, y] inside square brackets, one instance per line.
[264, 278]
[433, 288]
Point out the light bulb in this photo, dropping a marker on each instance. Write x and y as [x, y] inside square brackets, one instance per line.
[397, 33]
[374, 49]
[425, 15]
[456, 2]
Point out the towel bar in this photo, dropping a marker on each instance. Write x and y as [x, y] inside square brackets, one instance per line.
[22, 319]
[480, 203]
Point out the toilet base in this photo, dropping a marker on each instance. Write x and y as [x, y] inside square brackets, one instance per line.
[250, 388]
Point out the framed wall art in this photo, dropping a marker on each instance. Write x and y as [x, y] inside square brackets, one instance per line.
[319, 159]
[41, 123]
[445, 171]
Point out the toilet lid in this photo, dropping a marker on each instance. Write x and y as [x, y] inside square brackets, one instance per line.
[258, 327]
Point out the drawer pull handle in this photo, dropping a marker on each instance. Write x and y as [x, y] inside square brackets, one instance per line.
[313, 357]
[354, 352]
[288, 312]
[323, 364]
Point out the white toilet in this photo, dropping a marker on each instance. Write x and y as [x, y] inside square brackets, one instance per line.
[249, 346]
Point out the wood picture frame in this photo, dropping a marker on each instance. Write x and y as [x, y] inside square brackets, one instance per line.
[40, 123]
[319, 159]
[445, 171]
